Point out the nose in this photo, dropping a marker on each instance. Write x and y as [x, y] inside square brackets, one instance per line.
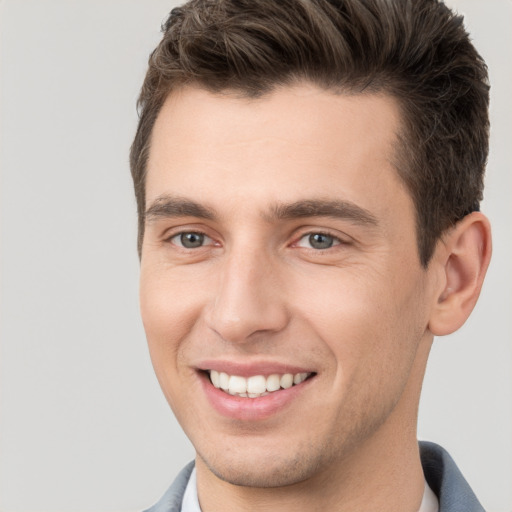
[248, 299]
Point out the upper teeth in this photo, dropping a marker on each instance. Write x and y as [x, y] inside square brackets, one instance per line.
[257, 385]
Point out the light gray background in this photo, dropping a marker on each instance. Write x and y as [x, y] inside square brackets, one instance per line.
[83, 425]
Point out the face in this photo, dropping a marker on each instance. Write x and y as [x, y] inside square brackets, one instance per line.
[281, 290]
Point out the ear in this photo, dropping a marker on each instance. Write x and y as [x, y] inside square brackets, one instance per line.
[462, 257]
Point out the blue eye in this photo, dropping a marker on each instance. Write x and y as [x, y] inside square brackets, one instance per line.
[191, 240]
[319, 241]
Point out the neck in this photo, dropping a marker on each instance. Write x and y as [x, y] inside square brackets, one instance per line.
[382, 474]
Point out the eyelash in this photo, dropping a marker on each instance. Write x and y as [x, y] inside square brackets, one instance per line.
[335, 241]
[181, 234]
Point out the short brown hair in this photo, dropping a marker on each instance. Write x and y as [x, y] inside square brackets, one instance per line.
[414, 50]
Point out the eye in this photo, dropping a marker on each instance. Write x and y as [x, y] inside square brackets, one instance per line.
[319, 241]
[191, 240]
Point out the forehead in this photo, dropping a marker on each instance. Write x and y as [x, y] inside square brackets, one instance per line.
[293, 143]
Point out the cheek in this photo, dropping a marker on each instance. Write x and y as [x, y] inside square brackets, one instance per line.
[342, 307]
[168, 314]
[169, 309]
[367, 320]
[167, 303]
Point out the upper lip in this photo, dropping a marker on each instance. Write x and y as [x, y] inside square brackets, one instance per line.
[247, 369]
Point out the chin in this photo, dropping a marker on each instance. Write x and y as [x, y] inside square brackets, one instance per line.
[247, 475]
[269, 469]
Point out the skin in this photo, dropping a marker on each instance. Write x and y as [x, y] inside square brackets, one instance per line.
[359, 315]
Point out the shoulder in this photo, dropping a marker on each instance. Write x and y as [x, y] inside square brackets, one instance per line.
[171, 500]
[446, 480]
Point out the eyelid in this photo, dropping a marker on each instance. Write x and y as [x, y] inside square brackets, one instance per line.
[177, 231]
[336, 240]
[207, 241]
[339, 238]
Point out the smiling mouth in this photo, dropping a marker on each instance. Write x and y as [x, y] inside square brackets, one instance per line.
[257, 385]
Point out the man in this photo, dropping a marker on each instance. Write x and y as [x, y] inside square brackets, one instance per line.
[308, 176]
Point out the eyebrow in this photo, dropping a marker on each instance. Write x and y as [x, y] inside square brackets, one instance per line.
[338, 209]
[171, 206]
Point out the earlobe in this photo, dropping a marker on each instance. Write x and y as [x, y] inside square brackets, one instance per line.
[466, 252]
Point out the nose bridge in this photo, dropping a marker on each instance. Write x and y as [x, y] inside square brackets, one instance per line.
[247, 298]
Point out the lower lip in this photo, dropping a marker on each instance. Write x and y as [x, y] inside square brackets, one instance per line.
[250, 409]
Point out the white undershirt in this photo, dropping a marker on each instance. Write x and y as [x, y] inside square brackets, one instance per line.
[429, 503]
[190, 500]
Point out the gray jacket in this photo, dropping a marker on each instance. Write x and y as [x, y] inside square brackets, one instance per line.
[441, 473]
